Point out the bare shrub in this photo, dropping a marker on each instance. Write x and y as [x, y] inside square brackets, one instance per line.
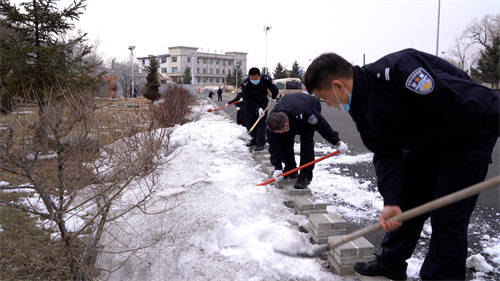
[87, 159]
[172, 107]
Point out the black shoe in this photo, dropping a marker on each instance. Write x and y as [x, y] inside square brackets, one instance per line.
[375, 268]
[250, 143]
[259, 148]
[302, 182]
[291, 176]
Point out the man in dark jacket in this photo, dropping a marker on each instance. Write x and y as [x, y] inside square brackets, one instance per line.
[219, 94]
[432, 130]
[254, 90]
[296, 114]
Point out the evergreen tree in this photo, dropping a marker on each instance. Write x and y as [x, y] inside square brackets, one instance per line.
[488, 65]
[295, 73]
[279, 72]
[186, 79]
[230, 78]
[38, 58]
[152, 83]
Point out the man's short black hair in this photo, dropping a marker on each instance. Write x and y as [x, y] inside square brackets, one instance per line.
[276, 121]
[324, 69]
[254, 71]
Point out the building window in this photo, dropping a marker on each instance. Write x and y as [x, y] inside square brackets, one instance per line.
[210, 61]
[217, 80]
[204, 60]
[197, 60]
[163, 59]
[174, 59]
[198, 80]
[204, 70]
[211, 71]
[198, 70]
[216, 61]
[223, 62]
[223, 71]
[189, 59]
[217, 71]
[222, 80]
[229, 63]
[164, 70]
[174, 69]
[211, 80]
[143, 61]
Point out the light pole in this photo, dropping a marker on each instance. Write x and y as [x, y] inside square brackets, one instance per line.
[131, 48]
[193, 54]
[266, 29]
[437, 36]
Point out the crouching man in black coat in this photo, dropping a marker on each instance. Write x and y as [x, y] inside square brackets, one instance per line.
[297, 114]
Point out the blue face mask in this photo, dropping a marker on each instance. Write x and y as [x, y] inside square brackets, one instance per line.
[347, 106]
[255, 82]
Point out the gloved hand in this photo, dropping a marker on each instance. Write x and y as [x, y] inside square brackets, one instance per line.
[342, 147]
[241, 99]
[277, 175]
[226, 104]
[261, 112]
[238, 108]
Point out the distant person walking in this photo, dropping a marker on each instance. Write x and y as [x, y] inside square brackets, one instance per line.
[210, 95]
[219, 94]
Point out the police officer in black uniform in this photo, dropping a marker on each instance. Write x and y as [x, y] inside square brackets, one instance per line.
[254, 90]
[240, 115]
[432, 130]
[296, 114]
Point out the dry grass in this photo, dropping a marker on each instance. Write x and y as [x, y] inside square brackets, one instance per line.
[26, 251]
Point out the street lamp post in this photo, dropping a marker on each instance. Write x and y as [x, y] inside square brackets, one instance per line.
[131, 48]
[437, 36]
[266, 29]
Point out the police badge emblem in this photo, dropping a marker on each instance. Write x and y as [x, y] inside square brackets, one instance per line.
[420, 82]
[313, 120]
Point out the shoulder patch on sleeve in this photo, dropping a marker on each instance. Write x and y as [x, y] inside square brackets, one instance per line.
[313, 120]
[420, 82]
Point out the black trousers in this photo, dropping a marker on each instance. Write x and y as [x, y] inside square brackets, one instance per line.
[240, 117]
[259, 132]
[429, 177]
[306, 153]
[219, 97]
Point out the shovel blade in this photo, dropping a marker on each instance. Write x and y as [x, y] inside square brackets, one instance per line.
[310, 252]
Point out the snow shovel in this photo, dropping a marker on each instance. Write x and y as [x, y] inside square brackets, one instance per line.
[215, 109]
[316, 251]
[260, 117]
[300, 167]
[232, 112]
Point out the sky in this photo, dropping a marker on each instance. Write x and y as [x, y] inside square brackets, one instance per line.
[300, 30]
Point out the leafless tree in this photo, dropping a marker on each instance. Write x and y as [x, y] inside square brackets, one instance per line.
[474, 38]
[78, 178]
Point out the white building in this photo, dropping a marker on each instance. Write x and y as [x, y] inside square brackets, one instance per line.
[207, 68]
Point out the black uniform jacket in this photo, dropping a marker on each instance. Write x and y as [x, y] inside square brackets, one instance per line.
[304, 117]
[255, 96]
[414, 102]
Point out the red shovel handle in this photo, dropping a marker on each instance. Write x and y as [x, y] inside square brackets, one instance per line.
[300, 167]
[212, 110]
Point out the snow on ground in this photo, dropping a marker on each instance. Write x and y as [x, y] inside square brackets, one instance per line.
[223, 227]
[209, 220]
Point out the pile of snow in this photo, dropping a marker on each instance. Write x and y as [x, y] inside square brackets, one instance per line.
[219, 224]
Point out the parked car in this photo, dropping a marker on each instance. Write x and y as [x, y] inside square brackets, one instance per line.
[287, 86]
